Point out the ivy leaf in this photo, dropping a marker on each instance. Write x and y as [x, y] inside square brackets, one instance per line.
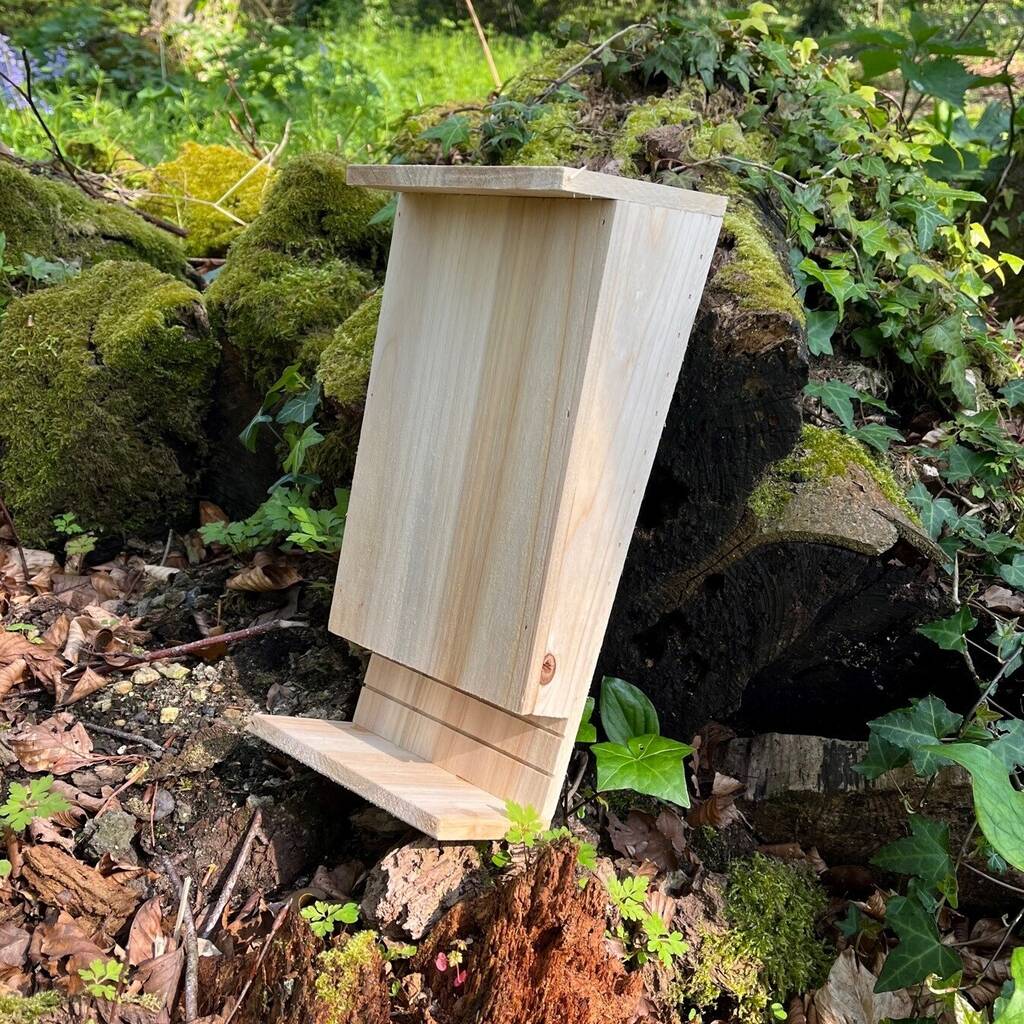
[942, 77]
[386, 214]
[1014, 572]
[1010, 1009]
[836, 396]
[962, 464]
[927, 217]
[875, 237]
[1013, 392]
[301, 408]
[924, 854]
[920, 952]
[821, 325]
[916, 729]
[652, 765]
[998, 806]
[249, 436]
[840, 284]
[877, 435]
[882, 757]
[1009, 745]
[451, 132]
[626, 711]
[950, 633]
[297, 455]
[587, 731]
[935, 513]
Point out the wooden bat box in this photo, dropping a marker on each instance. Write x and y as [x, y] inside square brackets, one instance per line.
[532, 331]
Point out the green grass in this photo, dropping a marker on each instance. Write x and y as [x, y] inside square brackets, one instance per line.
[343, 84]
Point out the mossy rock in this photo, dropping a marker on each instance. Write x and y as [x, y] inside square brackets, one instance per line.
[47, 218]
[106, 382]
[201, 175]
[345, 361]
[770, 948]
[301, 268]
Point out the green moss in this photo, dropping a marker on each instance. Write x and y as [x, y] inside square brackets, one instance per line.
[555, 138]
[535, 79]
[200, 175]
[728, 137]
[47, 218]
[106, 382]
[345, 363]
[755, 274]
[311, 211]
[676, 108]
[770, 949]
[291, 279]
[16, 1009]
[342, 973]
[821, 455]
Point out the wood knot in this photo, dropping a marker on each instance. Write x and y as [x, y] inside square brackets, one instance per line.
[547, 669]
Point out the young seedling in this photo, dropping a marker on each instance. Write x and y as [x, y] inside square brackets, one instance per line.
[101, 978]
[324, 917]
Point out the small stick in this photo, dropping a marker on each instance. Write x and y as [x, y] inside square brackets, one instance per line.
[483, 42]
[282, 915]
[128, 737]
[210, 922]
[9, 520]
[215, 641]
[191, 944]
[182, 904]
[565, 76]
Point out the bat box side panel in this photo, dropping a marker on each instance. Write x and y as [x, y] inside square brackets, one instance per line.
[477, 372]
[657, 265]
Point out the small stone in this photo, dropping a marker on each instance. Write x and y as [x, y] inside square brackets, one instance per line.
[183, 813]
[113, 833]
[123, 688]
[169, 715]
[120, 722]
[105, 705]
[217, 688]
[171, 669]
[145, 676]
[198, 695]
[232, 714]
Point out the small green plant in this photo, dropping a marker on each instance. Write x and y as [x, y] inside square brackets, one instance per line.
[102, 978]
[288, 513]
[635, 756]
[642, 933]
[26, 803]
[78, 540]
[526, 830]
[324, 917]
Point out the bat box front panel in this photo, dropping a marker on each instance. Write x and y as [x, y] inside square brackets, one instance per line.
[478, 368]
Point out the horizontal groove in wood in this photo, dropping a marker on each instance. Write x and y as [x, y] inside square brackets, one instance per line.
[406, 785]
[456, 752]
[536, 743]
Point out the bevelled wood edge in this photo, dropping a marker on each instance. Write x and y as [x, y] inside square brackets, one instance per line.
[537, 182]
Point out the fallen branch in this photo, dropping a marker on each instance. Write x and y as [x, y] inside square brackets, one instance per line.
[227, 890]
[191, 944]
[127, 737]
[195, 646]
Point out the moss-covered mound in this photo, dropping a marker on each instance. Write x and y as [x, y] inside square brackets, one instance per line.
[301, 268]
[106, 382]
[185, 189]
[47, 218]
[345, 362]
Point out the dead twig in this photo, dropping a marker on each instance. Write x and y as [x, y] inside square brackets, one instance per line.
[227, 890]
[580, 65]
[9, 520]
[127, 737]
[279, 921]
[488, 56]
[195, 646]
[191, 944]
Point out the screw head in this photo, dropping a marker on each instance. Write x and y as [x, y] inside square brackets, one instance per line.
[547, 669]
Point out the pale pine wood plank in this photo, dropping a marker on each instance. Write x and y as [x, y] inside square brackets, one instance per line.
[477, 370]
[413, 789]
[657, 263]
[538, 182]
[536, 741]
[468, 757]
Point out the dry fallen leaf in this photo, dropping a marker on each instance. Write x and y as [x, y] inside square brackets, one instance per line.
[641, 836]
[719, 809]
[848, 996]
[13, 945]
[59, 745]
[39, 659]
[146, 939]
[65, 937]
[1001, 599]
[211, 513]
[264, 578]
[88, 682]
